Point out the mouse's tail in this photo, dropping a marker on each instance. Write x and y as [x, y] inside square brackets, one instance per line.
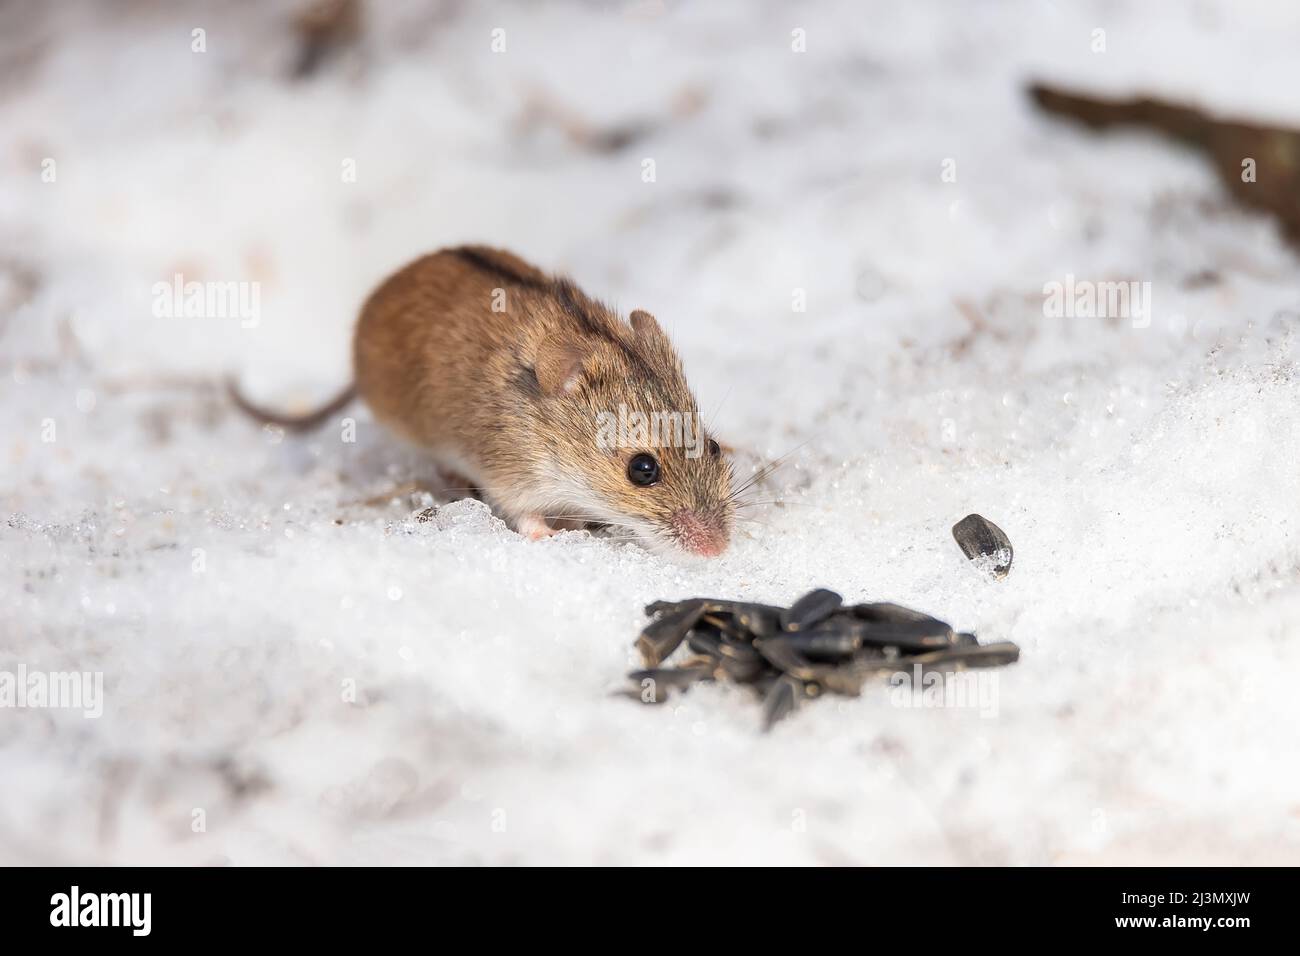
[297, 423]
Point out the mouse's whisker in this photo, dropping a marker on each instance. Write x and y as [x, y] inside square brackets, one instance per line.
[709, 419]
[767, 469]
[759, 502]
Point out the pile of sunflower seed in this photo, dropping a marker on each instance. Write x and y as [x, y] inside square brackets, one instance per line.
[791, 655]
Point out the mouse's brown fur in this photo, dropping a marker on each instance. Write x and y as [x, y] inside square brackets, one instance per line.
[506, 373]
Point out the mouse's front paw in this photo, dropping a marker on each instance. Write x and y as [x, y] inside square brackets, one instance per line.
[534, 527]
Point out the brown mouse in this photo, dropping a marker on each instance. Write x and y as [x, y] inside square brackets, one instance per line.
[543, 398]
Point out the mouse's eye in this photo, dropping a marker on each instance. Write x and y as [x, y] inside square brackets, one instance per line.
[643, 470]
[714, 448]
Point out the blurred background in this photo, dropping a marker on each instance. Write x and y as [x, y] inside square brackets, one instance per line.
[847, 216]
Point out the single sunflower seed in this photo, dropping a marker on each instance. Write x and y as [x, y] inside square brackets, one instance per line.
[809, 609]
[663, 635]
[977, 536]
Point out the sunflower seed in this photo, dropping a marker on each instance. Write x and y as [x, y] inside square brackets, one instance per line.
[912, 636]
[662, 636]
[656, 683]
[706, 643]
[761, 620]
[781, 700]
[977, 536]
[963, 657]
[781, 654]
[889, 613]
[741, 671]
[809, 609]
[832, 640]
[738, 650]
[724, 624]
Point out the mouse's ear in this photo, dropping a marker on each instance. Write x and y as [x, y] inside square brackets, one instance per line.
[560, 364]
[651, 336]
[645, 325]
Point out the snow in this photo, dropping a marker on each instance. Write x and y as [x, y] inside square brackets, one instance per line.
[319, 679]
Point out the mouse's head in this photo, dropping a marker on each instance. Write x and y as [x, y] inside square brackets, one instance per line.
[634, 453]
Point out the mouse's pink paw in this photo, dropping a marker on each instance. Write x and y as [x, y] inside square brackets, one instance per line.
[534, 527]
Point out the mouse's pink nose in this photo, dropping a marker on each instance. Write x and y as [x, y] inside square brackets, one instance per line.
[699, 535]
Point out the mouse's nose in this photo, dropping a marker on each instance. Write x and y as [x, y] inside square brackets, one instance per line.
[698, 534]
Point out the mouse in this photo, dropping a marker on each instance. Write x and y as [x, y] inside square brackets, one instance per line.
[559, 411]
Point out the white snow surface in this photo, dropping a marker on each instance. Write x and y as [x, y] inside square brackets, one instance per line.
[231, 584]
